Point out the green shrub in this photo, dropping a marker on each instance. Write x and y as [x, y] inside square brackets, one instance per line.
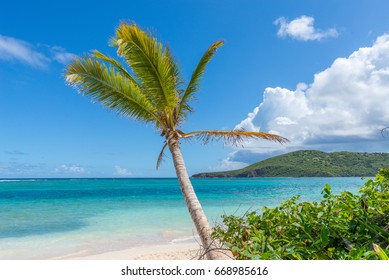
[340, 227]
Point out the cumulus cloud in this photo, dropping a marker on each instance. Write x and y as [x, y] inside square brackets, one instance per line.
[70, 169]
[121, 171]
[12, 49]
[302, 28]
[345, 108]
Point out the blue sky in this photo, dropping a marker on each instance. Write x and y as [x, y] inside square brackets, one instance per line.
[317, 72]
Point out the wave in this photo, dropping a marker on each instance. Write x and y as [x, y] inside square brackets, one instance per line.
[19, 180]
[184, 239]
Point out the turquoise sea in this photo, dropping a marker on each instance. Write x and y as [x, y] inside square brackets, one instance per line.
[62, 218]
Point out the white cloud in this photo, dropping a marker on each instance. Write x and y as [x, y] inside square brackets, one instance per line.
[12, 49]
[344, 108]
[302, 28]
[14, 168]
[60, 55]
[70, 169]
[229, 164]
[121, 171]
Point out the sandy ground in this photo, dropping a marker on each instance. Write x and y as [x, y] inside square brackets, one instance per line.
[170, 251]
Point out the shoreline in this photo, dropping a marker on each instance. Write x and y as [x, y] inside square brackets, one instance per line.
[107, 220]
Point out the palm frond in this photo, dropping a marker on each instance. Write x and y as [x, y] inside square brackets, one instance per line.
[152, 64]
[195, 80]
[116, 64]
[234, 137]
[161, 155]
[110, 88]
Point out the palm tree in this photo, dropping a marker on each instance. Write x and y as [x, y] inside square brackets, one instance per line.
[151, 91]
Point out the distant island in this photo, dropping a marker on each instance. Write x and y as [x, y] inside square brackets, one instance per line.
[311, 163]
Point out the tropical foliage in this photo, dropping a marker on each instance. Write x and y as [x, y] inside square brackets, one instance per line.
[151, 90]
[312, 164]
[340, 227]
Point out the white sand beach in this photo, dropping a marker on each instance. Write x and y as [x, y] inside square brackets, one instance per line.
[168, 251]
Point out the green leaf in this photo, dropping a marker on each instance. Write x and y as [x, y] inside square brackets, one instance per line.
[326, 190]
[297, 225]
[324, 236]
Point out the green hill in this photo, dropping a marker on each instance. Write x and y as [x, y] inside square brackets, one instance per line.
[311, 164]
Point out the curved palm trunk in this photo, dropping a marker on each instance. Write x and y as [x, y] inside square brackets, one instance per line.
[196, 211]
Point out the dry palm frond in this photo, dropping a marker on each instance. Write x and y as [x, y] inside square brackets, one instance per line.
[161, 155]
[234, 137]
[385, 132]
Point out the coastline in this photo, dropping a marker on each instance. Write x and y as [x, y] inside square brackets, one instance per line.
[130, 219]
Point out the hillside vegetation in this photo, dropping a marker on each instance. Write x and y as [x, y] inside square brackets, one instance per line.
[311, 164]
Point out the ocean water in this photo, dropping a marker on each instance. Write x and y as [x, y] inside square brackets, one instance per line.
[64, 218]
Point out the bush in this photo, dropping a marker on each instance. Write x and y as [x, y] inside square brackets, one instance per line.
[340, 227]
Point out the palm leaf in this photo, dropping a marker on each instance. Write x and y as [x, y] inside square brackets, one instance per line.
[161, 155]
[152, 64]
[112, 89]
[116, 64]
[234, 137]
[195, 80]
